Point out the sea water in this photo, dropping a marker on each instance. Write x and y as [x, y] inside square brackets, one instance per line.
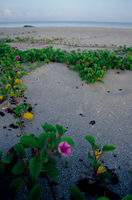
[67, 24]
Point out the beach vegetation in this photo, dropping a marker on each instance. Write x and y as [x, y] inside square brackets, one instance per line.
[18, 167]
[23, 171]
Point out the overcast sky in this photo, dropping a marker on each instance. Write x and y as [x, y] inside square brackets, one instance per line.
[66, 10]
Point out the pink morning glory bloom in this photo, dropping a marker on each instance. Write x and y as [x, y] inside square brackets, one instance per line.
[99, 52]
[64, 148]
[43, 47]
[124, 57]
[17, 57]
[15, 47]
[5, 108]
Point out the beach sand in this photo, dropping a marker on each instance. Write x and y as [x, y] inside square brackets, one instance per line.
[83, 35]
[58, 96]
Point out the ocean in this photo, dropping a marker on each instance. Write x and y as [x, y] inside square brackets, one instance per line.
[67, 24]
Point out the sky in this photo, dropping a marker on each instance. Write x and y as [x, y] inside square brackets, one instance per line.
[66, 10]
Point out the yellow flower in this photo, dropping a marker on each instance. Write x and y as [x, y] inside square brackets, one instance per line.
[97, 154]
[39, 38]
[18, 81]
[28, 116]
[100, 170]
[1, 97]
[66, 37]
[11, 92]
[18, 72]
[7, 86]
[43, 38]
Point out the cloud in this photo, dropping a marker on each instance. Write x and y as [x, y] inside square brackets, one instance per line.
[7, 12]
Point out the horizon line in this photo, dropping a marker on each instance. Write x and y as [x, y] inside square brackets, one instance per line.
[60, 21]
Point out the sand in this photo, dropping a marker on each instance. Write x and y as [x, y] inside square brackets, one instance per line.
[58, 96]
[83, 35]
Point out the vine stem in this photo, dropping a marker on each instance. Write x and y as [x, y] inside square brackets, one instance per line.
[51, 187]
[21, 127]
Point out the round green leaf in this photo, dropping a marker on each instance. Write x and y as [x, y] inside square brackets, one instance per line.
[6, 160]
[68, 140]
[19, 168]
[107, 148]
[41, 140]
[29, 141]
[102, 198]
[35, 165]
[20, 149]
[50, 170]
[90, 139]
[35, 192]
[127, 197]
[15, 186]
[75, 192]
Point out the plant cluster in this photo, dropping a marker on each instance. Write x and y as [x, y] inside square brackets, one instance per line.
[17, 169]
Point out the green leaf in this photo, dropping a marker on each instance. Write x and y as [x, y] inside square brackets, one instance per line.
[52, 160]
[6, 160]
[51, 137]
[90, 139]
[20, 149]
[35, 192]
[107, 148]
[38, 64]
[127, 197]
[29, 141]
[103, 179]
[1, 153]
[42, 139]
[15, 186]
[48, 128]
[43, 153]
[89, 155]
[95, 163]
[31, 182]
[75, 192]
[131, 67]
[11, 157]
[35, 165]
[50, 170]
[130, 172]
[18, 123]
[96, 147]
[66, 139]
[32, 68]
[46, 60]
[60, 129]
[59, 155]
[106, 174]
[19, 168]
[103, 198]
[45, 160]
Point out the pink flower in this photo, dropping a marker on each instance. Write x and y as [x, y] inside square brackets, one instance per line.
[17, 57]
[64, 148]
[124, 57]
[99, 52]
[5, 108]
[15, 47]
[43, 47]
[97, 58]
